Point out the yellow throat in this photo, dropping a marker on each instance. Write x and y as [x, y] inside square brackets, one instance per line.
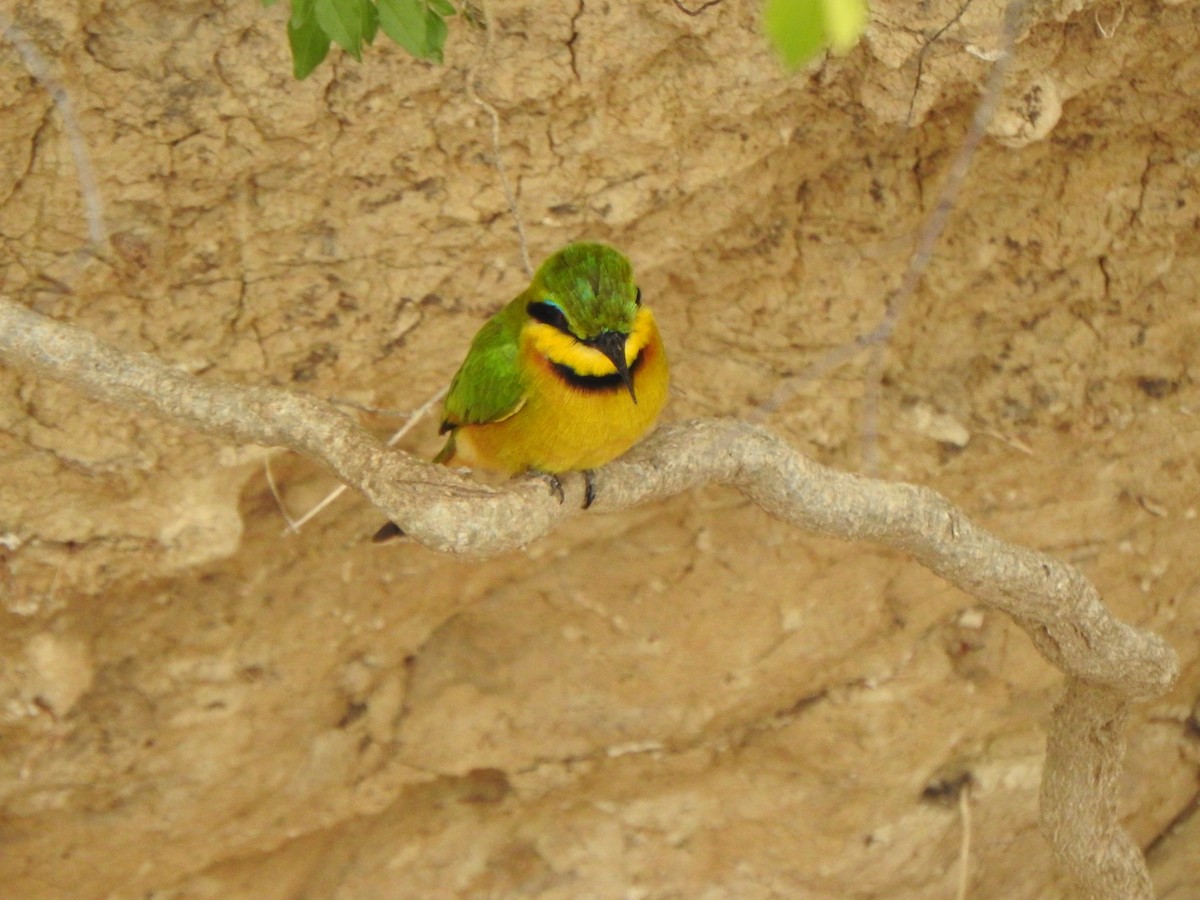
[576, 413]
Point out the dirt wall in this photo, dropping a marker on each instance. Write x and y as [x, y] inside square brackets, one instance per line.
[689, 699]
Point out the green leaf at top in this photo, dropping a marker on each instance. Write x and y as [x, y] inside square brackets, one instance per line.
[372, 25]
[443, 8]
[267, 4]
[415, 26]
[309, 45]
[802, 29]
[796, 28]
[405, 22]
[346, 21]
[435, 36]
[302, 12]
[844, 23]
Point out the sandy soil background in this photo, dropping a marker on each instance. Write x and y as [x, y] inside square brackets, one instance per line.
[686, 700]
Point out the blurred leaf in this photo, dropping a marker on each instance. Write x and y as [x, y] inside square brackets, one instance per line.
[405, 22]
[302, 12]
[267, 4]
[309, 44]
[796, 28]
[802, 29]
[436, 36]
[346, 22]
[372, 26]
[441, 7]
[844, 23]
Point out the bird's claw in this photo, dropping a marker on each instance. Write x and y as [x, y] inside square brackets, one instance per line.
[556, 488]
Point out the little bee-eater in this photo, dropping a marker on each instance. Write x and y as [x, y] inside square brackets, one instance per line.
[564, 378]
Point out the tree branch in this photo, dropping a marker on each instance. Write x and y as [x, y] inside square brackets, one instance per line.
[1108, 663]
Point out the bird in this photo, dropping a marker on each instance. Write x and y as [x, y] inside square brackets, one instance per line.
[564, 378]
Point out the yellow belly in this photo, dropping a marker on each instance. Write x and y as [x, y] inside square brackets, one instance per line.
[562, 428]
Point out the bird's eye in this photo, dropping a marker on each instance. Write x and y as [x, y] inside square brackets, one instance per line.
[550, 314]
[637, 298]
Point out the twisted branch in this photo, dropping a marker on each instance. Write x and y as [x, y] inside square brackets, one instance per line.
[1108, 663]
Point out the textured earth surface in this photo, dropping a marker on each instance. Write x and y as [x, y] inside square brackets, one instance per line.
[685, 700]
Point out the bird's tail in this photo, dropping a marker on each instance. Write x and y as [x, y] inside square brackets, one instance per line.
[446, 453]
[387, 532]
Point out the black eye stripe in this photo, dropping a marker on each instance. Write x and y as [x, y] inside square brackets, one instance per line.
[548, 314]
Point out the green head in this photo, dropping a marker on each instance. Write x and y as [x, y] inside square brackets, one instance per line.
[592, 286]
[587, 292]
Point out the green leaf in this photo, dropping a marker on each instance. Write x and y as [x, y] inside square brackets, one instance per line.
[844, 23]
[267, 4]
[309, 44]
[406, 23]
[372, 26]
[345, 21]
[441, 7]
[302, 13]
[435, 36]
[796, 28]
[802, 29]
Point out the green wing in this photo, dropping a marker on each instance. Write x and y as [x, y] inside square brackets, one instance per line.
[488, 386]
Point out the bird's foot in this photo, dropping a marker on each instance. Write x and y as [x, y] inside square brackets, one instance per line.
[553, 481]
[556, 485]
